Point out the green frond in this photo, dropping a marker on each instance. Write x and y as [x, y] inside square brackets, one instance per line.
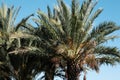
[29, 27]
[107, 38]
[62, 15]
[65, 11]
[108, 60]
[73, 7]
[105, 26]
[15, 13]
[22, 22]
[91, 6]
[49, 12]
[50, 24]
[74, 26]
[3, 11]
[25, 50]
[84, 8]
[8, 18]
[102, 30]
[89, 24]
[110, 51]
[95, 15]
[24, 35]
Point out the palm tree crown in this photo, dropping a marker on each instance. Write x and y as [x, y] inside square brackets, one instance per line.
[73, 35]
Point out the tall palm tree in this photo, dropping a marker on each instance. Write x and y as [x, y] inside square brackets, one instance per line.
[70, 34]
[19, 47]
[10, 40]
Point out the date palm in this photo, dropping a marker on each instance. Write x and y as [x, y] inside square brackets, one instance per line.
[19, 46]
[10, 40]
[70, 33]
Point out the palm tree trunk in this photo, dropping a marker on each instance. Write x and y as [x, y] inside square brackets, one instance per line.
[72, 71]
[49, 72]
[49, 75]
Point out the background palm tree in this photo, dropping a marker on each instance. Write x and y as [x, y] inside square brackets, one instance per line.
[70, 33]
[21, 54]
[10, 41]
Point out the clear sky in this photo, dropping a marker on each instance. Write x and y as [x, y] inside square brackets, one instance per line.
[111, 13]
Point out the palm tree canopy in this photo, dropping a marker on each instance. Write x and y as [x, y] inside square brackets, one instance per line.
[10, 39]
[71, 33]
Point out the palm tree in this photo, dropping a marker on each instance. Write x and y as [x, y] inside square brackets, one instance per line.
[10, 40]
[19, 47]
[71, 37]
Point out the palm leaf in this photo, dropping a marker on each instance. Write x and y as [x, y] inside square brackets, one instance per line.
[110, 51]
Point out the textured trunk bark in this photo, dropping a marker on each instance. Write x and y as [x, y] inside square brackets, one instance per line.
[72, 71]
[49, 75]
[49, 72]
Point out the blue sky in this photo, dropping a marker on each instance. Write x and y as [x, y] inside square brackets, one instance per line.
[111, 13]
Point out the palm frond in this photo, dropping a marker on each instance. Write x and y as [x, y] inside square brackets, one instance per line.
[89, 24]
[84, 8]
[110, 51]
[108, 60]
[89, 8]
[22, 22]
[26, 50]
[49, 12]
[74, 7]
[108, 38]
[102, 30]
